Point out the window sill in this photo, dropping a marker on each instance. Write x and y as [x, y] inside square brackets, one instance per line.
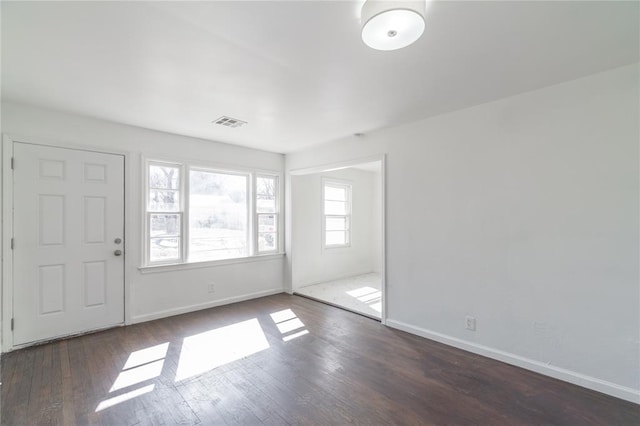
[208, 264]
[341, 246]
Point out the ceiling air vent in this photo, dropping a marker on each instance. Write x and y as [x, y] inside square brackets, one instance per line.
[229, 122]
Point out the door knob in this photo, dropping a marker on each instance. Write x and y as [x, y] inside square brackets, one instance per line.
[118, 252]
[118, 240]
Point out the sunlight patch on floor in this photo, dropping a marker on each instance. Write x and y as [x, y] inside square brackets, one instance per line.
[290, 325]
[287, 322]
[295, 335]
[368, 295]
[284, 315]
[360, 293]
[137, 375]
[147, 355]
[209, 350]
[124, 397]
[141, 366]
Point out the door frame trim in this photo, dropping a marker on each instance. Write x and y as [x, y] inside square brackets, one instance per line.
[290, 174]
[6, 153]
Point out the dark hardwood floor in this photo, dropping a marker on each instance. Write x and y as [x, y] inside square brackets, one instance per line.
[315, 364]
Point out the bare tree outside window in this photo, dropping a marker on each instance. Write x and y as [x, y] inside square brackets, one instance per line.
[165, 219]
[218, 215]
[266, 207]
[208, 217]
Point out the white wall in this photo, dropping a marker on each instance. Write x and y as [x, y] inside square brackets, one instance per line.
[153, 295]
[524, 214]
[312, 262]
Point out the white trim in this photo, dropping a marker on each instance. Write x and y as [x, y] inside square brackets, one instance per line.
[622, 392]
[54, 143]
[186, 167]
[207, 264]
[182, 211]
[336, 166]
[250, 241]
[248, 175]
[289, 260]
[185, 232]
[129, 232]
[205, 305]
[383, 237]
[286, 234]
[144, 194]
[7, 234]
[199, 163]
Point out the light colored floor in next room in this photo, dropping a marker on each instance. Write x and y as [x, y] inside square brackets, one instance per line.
[361, 293]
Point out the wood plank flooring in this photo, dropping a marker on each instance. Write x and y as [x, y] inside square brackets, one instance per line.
[314, 364]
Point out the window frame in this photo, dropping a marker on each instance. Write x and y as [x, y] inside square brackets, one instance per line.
[248, 176]
[348, 222]
[147, 213]
[185, 167]
[256, 218]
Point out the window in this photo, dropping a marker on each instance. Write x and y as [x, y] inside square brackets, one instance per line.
[336, 207]
[197, 214]
[164, 213]
[267, 213]
[218, 215]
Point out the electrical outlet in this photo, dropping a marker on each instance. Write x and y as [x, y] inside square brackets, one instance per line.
[211, 288]
[470, 323]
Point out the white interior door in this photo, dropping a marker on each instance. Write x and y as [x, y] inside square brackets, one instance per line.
[68, 241]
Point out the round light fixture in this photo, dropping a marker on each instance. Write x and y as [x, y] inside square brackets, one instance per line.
[391, 25]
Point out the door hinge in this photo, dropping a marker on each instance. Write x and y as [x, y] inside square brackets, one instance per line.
[12, 323]
[13, 164]
[12, 244]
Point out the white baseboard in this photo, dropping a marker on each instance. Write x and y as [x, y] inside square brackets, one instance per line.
[335, 278]
[199, 306]
[622, 392]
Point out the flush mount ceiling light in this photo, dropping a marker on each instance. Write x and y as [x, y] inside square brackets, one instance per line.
[391, 25]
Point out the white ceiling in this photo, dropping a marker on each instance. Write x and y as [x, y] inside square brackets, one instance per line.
[296, 71]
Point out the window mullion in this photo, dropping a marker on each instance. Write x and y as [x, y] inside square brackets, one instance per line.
[276, 222]
[184, 207]
[147, 240]
[251, 208]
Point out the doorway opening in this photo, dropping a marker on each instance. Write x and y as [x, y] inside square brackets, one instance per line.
[337, 238]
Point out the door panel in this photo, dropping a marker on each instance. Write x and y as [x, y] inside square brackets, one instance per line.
[68, 213]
